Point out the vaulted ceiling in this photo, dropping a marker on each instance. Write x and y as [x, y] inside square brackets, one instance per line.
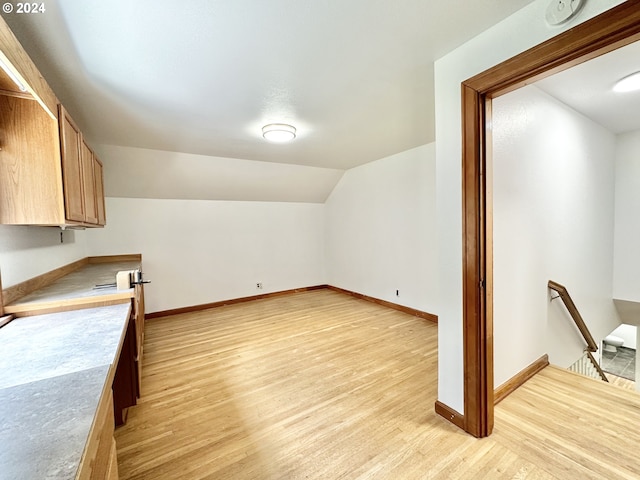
[202, 77]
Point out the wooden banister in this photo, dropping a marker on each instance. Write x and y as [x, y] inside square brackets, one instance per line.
[595, 364]
[575, 315]
[577, 318]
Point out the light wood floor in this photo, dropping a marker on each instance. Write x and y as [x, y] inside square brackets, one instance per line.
[319, 385]
[621, 382]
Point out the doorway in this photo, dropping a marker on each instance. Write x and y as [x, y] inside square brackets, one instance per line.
[615, 28]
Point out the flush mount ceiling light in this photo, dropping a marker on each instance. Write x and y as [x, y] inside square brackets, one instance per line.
[279, 132]
[628, 84]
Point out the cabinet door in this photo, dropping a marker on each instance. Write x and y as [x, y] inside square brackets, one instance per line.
[89, 185]
[31, 190]
[125, 380]
[99, 183]
[72, 176]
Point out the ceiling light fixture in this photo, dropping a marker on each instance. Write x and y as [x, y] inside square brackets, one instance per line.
[628, 83]
[279, 132]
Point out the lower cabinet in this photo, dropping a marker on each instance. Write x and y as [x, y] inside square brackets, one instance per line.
[138, 315]
[125, 381]
[100, 460]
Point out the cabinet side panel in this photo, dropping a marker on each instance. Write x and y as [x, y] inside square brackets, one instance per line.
[30, 175]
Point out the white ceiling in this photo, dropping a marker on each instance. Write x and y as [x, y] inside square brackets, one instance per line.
[587, 88]
[202, 77]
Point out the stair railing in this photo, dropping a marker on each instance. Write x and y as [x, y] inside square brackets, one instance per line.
[577, 318]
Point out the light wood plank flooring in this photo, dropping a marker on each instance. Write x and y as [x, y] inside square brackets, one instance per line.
[320, 385]
[621, 382]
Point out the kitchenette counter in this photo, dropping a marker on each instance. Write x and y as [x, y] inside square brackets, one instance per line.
[54, 369]
[46, 424]
[45, 346]
[77, 287]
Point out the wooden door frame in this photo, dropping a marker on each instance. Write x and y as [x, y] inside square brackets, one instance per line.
[608, 31]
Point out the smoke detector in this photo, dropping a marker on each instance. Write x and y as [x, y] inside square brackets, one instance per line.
[561, 11]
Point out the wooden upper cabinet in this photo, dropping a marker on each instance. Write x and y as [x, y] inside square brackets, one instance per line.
[99, 185]
[72, 173]
[30, 174]
[82, 175]
[48, 174]
[89, 185]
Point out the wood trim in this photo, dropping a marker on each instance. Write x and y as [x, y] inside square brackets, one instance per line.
[195, 308]
[222, 303]
[30, 309]
[101, 430]
[608, 31]
[449, 414]
[112, 472]
[511, 385]
[11, 294]
[612, 29]
[477, 341]
[592, 346]
[10, 93]
[411, 311]
[5, 320]
[132, 257]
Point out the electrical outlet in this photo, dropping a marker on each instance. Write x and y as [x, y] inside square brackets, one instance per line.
[259, 285]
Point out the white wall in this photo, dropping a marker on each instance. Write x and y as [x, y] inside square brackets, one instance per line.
[26, 252]
[380, 229]
[201, 251]
[553, 206]
[375, 235]
[143, 173]
[626, 281]
[521, 31]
